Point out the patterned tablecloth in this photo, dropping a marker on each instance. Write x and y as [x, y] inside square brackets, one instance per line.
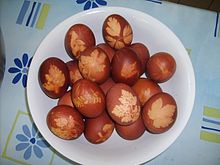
[24, 23]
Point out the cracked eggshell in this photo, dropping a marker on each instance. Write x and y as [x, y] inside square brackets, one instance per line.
[88, 98]
[145, 89]
[77, 39]
[122, 104]
[132, 131]
[159, 113]
[117, 32]
[94, 65]
[65, 122]
[74, 72]
[126, 66]
[160, 67]
[142, 52]
[53, 76]
[99, 129]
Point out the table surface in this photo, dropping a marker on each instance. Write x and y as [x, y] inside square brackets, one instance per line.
[24, 24]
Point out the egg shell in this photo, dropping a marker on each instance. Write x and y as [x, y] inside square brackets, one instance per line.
[65, 122]
[107, 49]
[159, 113]
[126, 67]
[122, 104]
[74, 72]
[142, 52]
[66, 99]
[117, 32]
[88, 98]
[160, 67]
[132, 131]
[145, 89]
[77, 39]
[99, 129]
[53, 77]
[94, 65]
[107, 85]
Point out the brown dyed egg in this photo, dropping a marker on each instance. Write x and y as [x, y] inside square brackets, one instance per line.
[126, 67]
[94, 65]
[99, 129]
[74, 73]
[142, 52]
[160, 67]
[117, 32]
[132, 131]
[65, 122]
[107, 49]
[159, 113]
[122, 104]
[77, 39]
[53, 77]
[145, 89]
[107, 85]
[66, 99]
[88, 98]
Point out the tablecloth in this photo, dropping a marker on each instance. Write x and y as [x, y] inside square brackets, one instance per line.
[24, 24]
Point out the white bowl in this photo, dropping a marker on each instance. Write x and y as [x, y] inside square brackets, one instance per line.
[115, 150]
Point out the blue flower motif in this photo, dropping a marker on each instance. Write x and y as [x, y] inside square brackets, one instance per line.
[91, 3]
[30, 140]
[21, 69]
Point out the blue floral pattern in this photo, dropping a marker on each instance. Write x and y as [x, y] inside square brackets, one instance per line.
[31, 141]
[21, 69]
[88, 4]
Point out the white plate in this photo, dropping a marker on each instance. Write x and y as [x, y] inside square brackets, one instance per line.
[157, 37]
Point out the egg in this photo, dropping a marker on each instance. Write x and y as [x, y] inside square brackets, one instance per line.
[94, 65]
[88, 98]
[66, 99]
[132, 131]
[107, 49]
[142, 52]
[74, 72]
[99, 129]
[126, 67]
[159, 113]
[77, 39]
[122, 104]
[107, 85]
[145, 89]
[53, 76]
[65, 122]
[117, 32]
[160, 67]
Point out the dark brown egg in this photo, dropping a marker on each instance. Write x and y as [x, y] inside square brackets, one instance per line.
[53, 77]
[88, 98]
[126, 67]
[132, 131]
[74, 73]
[77, 39]
[122, 104]
[99, 129]
[143, 54]
[107, 85]
[145, 89]
[94, 65]
[107, 49]
[160, 67]
[66, 99]
[117, 32]
[65, 122]
[159, 113]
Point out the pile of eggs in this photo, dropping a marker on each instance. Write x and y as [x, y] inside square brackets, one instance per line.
[102, 87]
